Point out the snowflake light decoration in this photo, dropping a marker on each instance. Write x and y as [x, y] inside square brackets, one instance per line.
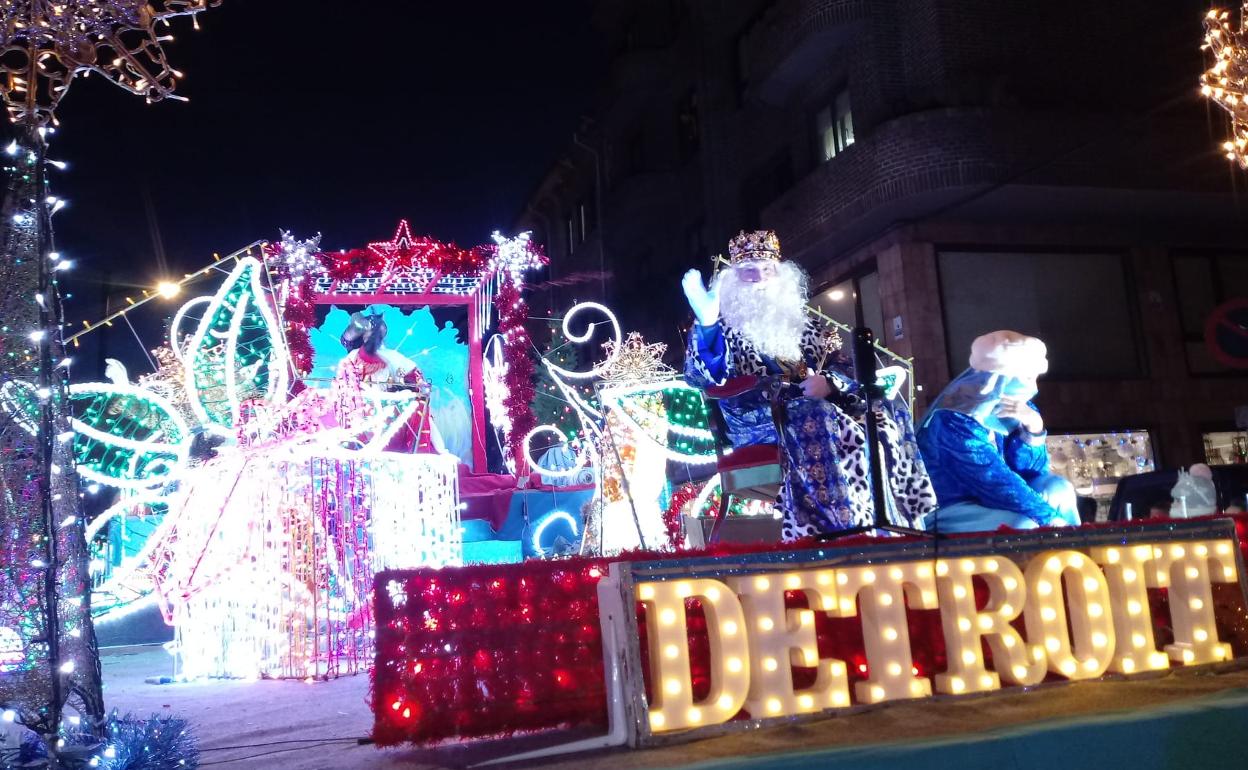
[296, 258]
[635, 360]
[516, 256]
[1226, 82]
[44, 44]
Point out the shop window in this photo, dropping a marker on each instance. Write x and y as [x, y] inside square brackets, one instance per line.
[834, 126]
[1096, 462]
[1077, 303]
[854, 302]
[1201, 283]
[1226, 447]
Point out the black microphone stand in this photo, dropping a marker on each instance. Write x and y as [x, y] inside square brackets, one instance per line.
[864, 370]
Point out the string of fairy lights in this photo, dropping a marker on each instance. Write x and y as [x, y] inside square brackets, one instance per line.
[166, 289]
[1226, 82]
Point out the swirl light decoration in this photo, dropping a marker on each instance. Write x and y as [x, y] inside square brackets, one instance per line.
[1226, 82]
[44, 45]
[588, 413]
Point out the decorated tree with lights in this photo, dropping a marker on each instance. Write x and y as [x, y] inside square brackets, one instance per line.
[43, 586]
[549, 403]
[50, 660]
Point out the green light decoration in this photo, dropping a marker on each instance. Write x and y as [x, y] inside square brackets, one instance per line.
[670, 414]
[122, 435]
[126, 438]
[238, 352]
[687, 408]
[131, 437]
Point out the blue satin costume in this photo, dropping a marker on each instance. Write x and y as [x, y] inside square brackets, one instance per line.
[989, 472]
[827, 487]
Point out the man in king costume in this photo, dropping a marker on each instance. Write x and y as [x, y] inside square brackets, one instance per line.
[753, 321]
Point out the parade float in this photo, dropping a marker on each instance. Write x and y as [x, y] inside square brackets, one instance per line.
[542, 578]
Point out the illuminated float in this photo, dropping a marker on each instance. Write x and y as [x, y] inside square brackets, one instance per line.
[262, 452]
[372, 556]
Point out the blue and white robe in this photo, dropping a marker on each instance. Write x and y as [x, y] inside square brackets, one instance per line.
[828, 485]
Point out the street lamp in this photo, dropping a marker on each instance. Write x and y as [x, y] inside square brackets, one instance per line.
[168, 289]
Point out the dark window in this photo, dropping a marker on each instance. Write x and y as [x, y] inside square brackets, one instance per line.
[687, 126]
[1076, 303]
[1201, 283]
[834, 127]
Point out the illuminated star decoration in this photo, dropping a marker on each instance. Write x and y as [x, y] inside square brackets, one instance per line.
[638, 360]
[45, 44]
[1226, 82]
[395, 253]
[407, 253]
[296, 258]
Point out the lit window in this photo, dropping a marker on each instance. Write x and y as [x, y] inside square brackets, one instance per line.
[834, 126]
[1226, 447]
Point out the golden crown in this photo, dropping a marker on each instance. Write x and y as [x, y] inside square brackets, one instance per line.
[760, 244]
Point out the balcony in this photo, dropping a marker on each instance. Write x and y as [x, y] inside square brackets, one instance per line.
[997, 167]
[791, 42]
[910, 167]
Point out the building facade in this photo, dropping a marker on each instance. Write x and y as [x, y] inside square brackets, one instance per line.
[942, 168]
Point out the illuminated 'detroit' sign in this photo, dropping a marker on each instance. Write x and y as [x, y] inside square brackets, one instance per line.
[1084, 606]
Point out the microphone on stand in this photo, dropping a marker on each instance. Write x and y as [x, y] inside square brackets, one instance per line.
[866, 374]
[864, 371]
[864, 361]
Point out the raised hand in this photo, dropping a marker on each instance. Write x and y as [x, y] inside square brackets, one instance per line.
[1029, 418]
[705, 302]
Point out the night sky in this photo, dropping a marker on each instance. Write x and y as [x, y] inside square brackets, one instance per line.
[328, 117]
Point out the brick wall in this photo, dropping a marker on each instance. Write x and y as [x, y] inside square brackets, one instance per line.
[950, 99]
[1165, 399]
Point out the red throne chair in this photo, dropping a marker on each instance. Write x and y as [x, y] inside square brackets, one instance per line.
[755, 471]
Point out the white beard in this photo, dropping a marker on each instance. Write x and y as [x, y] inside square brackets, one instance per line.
[771, 314]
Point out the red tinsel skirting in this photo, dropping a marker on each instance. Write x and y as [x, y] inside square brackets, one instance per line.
[491, 650]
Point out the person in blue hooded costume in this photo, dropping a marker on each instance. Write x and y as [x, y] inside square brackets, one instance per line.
[983, 442]
[752, 320]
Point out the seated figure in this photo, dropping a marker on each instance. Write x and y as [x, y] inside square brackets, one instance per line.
[752, 320]
[371, 364]
[983, 442]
